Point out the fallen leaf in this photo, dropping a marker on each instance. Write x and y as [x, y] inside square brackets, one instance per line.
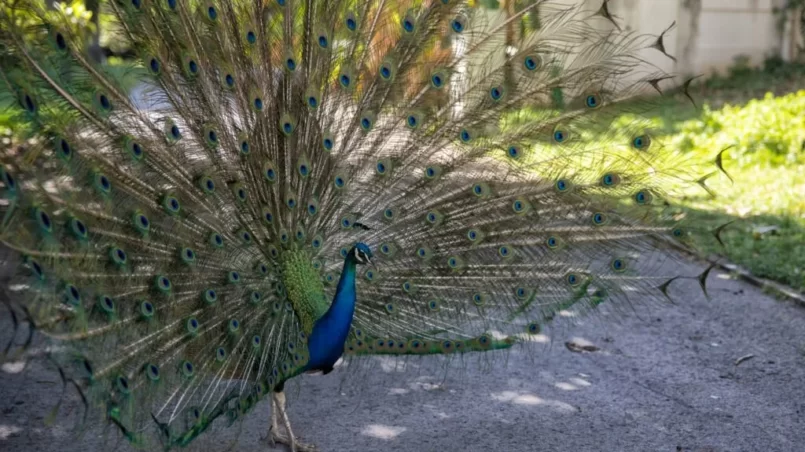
[580, 348]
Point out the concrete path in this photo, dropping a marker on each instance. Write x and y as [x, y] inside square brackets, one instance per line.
[664, 379]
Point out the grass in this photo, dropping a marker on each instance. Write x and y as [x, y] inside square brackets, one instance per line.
[761, 116]
[766, 202]
[750, 110]
[766, 206]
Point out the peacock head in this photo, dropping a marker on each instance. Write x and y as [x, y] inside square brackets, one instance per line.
[361, 254]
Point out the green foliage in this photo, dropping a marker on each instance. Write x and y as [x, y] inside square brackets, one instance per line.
[67, 13]
[72, 14]
[742, 81]
[766, 160]
[125, 75]
[769, 130]
[769, 246]
[766, 203]
[79, 19]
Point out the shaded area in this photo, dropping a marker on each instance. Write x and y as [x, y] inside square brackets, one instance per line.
[769, 246]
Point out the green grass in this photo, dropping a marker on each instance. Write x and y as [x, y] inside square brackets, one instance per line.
[761, 117]
[767, 209]
[766, 202]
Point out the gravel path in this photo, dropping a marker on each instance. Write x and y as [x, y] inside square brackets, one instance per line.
[664, 379]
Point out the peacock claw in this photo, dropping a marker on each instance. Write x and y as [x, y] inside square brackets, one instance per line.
[274, 436]
[293, 443]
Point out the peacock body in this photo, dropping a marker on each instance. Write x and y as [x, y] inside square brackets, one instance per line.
[192, 250]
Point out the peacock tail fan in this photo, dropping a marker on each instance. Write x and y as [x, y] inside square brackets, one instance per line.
[179, 245]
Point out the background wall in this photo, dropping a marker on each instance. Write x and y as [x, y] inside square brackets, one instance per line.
[708, 34]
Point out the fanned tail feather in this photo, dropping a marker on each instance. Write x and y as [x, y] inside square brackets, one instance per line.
[158, 238]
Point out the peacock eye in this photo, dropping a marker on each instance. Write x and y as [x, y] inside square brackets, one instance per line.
[530, 63]
[496, 93]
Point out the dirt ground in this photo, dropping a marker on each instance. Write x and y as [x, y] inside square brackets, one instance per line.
[664, 379]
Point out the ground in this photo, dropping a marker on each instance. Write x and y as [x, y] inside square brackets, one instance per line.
[664, 379]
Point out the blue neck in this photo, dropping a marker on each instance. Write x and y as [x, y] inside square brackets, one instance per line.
[326, 342]
[346, 285]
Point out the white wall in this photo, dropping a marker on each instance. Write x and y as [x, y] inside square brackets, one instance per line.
[709, 34]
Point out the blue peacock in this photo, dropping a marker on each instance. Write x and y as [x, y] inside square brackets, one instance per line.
[305, 181]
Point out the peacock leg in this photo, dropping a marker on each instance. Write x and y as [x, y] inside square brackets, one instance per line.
[275, 426]
[278, 413]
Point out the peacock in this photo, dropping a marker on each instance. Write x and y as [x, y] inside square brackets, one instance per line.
[291, 183]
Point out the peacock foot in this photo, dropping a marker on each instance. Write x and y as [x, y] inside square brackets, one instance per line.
[275, 436]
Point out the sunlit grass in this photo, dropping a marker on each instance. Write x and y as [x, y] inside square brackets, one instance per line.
[766, 201]
[767, 205]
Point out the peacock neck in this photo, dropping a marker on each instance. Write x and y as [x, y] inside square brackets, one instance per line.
[326, 342]
[343, 306]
